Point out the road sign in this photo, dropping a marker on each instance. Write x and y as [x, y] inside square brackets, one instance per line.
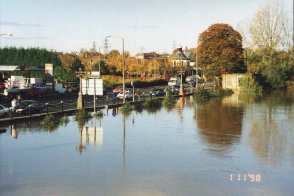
[89, 86]
[95, 74]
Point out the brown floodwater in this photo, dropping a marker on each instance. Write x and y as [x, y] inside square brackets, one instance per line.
[239, 145]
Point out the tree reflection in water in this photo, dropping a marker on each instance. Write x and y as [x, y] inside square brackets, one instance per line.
[271, 129]
[219, 124]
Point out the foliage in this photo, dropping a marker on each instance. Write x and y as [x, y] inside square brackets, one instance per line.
[249, 85]
[60, 74]
[202, 94]
[152, 105]
[50, 122]
[222, 92]
[277, 76]
[71, 62]
[169, 101]
[126, 109]
[99, 114]
[276, 68]
[36, 57]
[220, 50]
[64, 120]
[270, 42]
[82, 116]
[138, 107]
[29, 57]
[271, 28]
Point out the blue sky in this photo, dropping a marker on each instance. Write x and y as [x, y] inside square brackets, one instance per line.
[146, 25]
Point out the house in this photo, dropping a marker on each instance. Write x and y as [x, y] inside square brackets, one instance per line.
[150, 55]
[232, 81]
[179, 59]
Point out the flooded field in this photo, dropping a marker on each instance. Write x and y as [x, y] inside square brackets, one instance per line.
[232, 146]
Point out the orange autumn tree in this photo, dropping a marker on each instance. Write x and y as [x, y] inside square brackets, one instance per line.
[114, 59]
[220, 51]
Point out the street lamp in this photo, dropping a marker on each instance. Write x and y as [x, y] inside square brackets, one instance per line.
[80, 102]
[100, 61]
[5, 34]
[123, 62]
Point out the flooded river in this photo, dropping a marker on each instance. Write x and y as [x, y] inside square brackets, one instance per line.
[233, 146]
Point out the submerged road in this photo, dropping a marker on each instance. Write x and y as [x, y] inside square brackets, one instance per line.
[67, 103]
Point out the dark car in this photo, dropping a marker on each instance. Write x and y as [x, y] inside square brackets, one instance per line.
[72, 87]
[157, 92]
[174, 89]
[27, 106]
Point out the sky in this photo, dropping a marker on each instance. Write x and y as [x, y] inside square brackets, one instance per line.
[145, 25]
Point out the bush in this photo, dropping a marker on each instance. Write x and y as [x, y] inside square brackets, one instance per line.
[249, 85]
[99, 114]
[82, 116]
[169, 101]
[126, 109]
[138, 107]
[50, 123]
[222, 92]
[152, 105]
[202, 94]
[64, 120]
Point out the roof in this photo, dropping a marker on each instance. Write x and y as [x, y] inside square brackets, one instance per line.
[179, 55]
[9, 67]
[150, 54]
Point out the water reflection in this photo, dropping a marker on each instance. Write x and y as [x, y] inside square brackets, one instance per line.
[271, 128]
[114, 111]
[124, 143]
[180, 106]
[219, 123]
[90, 136]
[13, 131]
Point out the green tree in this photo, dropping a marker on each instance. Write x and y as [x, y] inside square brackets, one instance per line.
[220, 51]
[62, 74]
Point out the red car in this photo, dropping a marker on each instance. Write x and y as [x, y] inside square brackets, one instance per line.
[2, 86]
[117, 89]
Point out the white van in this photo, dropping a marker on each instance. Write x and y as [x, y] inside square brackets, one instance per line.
[60, 88]
[173, 81]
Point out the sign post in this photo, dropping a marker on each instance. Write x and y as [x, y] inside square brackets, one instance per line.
[132, 84]
[93, 86]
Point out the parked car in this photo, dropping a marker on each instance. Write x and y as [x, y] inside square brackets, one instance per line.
[2, 86]
[157, 92]
[72, 87]
[117, 89]
[128, 94]
[174, 81]
[23, 107]
[174, 89]
[3, 111]
[39, 86]
[194, 79]
[190, 79]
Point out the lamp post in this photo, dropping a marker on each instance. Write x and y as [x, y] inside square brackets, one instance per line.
[100, 60]
[123, 63]
[196, 62]
[80, 104]
[5, 34]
